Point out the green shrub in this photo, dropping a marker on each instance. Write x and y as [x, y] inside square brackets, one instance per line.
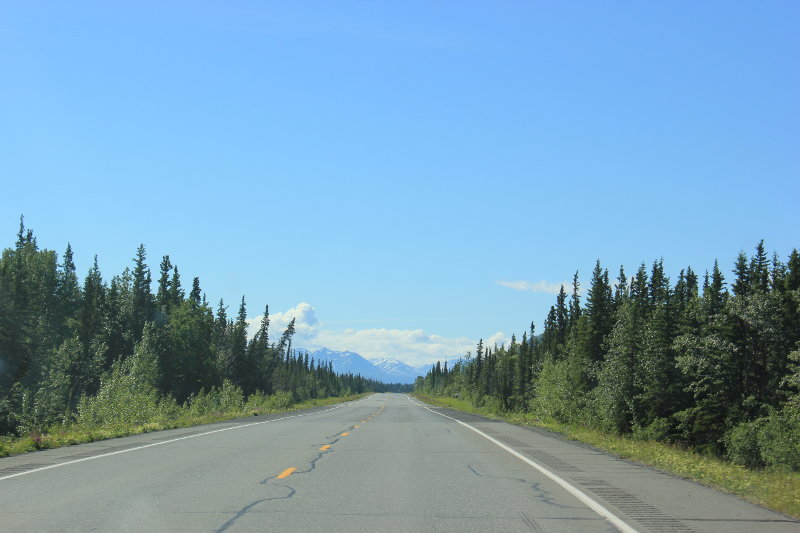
[127, 395]
[659, 429]
[558, 393]
[231, 397]
[779, 442]
[492, 405]
[280, 401]
[258, 402]
[226, 399]
[772, 441]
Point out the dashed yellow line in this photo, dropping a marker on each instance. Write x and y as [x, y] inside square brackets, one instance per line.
[286, 473]
[354, 427]
[345, 434]
[325, 447]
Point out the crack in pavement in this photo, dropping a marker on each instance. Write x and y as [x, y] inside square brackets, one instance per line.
[312, 465]
[540, 493]
[244, 510]
[292, 491]
[530, 522]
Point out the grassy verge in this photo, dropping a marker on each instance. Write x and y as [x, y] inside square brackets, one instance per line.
[774, 489]
[59, 436]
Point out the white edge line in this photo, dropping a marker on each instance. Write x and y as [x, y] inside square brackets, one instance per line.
[175, 440]
[582, 496]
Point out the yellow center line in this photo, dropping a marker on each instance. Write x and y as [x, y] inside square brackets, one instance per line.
[325, 447]
[363, 421]
[354, 427]
[286, 473]
[345, 434]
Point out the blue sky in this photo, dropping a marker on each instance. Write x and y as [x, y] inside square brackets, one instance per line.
[387, 164]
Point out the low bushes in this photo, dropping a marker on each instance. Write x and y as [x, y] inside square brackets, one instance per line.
[127, 404]
[772, 441]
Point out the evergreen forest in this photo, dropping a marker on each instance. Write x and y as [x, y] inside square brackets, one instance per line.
[100, 352]
[704, 362]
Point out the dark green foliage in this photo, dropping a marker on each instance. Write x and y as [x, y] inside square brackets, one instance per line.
[163, 297]
[196, 295]
[66, 351]
[705, 368]
[175, 291]
[741, 284]
[141, 304]
[770, 441]
[599, 312]
[562, 317]
[617, 392]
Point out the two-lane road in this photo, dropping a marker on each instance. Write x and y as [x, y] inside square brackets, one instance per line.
[385, 463]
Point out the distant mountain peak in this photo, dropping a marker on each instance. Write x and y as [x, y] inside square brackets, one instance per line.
[397, 369]
[351, 362]
[385, 369]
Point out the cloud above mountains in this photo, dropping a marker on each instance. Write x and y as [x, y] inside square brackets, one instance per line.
[305, 323]
[411, 346]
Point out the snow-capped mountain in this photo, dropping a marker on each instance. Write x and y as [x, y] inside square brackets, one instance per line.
[384, 369]
[344, 362]
[400, 372]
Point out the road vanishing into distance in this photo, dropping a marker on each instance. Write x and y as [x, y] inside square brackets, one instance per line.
[383, 463]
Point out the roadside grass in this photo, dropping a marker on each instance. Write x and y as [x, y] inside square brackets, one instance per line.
[68, 435]
[778, 490]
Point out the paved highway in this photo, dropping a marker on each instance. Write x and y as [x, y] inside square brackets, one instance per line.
[384, 463]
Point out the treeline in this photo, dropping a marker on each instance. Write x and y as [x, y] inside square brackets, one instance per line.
[692, 363]
[66, 345]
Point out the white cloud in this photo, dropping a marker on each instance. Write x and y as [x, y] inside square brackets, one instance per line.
[412, 346]
[305, 325]
[539, 286]
[498, 338]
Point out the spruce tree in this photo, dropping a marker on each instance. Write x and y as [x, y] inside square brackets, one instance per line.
[714, 295]
[599, 312]
[68, 295]
[620, 289]
[759, 269]
[176, 294]
[639, 291]
[575, 301]
[140, 294]
[163, 299]
[477, 375]
[792, 279]
[195, 296]
[239, 368]
[562, 317]
[616, 392]
[742, 281]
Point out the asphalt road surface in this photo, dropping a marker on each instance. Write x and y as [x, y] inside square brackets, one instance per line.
[384, 463]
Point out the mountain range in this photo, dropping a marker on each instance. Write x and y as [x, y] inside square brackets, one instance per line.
[384, 369]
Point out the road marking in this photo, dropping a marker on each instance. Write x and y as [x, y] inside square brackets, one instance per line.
[345, 434]
[175, 440]
[286, 473]
[363, 421]
[325, 447]
[355, 427]
[594, 505]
